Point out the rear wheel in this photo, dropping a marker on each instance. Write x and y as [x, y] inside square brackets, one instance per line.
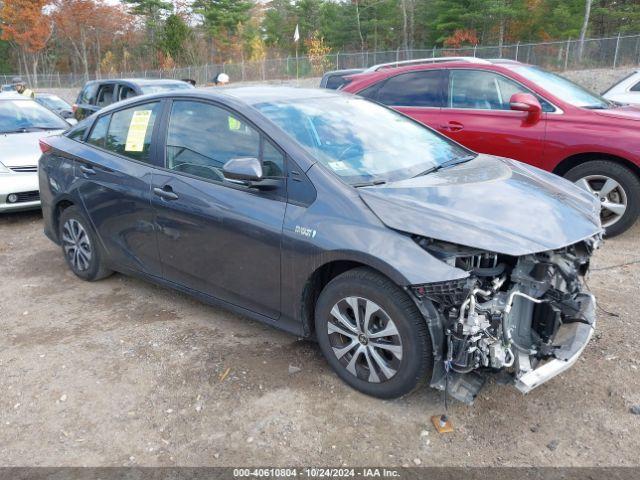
[80, 246]
[616, 187]
[372, 334]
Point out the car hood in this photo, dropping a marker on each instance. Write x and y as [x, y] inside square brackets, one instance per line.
[623, 113]
[489, 203]
[22, 149]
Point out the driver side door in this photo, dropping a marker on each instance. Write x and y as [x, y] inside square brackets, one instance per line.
[216, 236]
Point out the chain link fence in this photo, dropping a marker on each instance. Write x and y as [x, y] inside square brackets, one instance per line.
[610, 52]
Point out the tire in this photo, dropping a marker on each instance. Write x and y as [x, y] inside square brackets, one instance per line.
[392, 377]
[594, 175]
[80, 246]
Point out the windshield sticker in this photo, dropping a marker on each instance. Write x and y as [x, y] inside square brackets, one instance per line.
[137, 131]
[234, 124]
[338, 165]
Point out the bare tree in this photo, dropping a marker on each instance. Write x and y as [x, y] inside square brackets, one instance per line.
[585, 26]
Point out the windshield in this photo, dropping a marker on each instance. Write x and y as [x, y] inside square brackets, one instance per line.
[165, 87]
[26, 115]
[561, 87]
[53, 102]
[361, 141]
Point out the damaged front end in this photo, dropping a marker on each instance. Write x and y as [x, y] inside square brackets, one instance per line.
[527, 317]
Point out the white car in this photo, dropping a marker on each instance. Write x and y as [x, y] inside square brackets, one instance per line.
[23, 123]
[626, 90]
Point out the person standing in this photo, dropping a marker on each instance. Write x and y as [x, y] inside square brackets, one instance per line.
[21, 88]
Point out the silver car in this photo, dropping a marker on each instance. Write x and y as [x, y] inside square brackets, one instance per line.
[23, 123]
[626, 91]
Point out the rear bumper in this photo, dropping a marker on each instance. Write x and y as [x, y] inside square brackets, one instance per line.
[25, 185]
[571, 339]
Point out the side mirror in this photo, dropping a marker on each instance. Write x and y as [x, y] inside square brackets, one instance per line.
[525, 102]
[244, 169]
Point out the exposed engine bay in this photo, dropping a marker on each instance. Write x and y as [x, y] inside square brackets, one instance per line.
[527, 317]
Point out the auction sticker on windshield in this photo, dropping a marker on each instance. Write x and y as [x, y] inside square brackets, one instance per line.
[137, 131]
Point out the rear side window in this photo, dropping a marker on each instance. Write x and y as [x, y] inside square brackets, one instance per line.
[334, 82]
[635, 88]
[99, 132]
[130, 131]
[415, 89]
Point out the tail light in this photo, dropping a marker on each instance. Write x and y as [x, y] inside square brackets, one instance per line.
[74, 107]
[44, 147]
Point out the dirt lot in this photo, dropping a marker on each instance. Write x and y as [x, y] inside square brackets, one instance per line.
[121, 372]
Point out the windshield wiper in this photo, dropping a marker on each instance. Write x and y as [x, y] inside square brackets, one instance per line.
[448, 163]
[30, 129]
[369, 184]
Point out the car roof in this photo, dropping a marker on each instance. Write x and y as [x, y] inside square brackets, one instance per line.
[249, 96]
[261, 94]
[140, 81]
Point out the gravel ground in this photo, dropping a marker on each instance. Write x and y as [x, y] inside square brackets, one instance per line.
[122, 372]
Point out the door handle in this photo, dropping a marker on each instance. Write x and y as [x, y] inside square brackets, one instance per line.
[452, 127]
[165, 192]
[87, 170]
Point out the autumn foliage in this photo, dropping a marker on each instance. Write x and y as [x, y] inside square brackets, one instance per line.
[25, 23]
[461, 38]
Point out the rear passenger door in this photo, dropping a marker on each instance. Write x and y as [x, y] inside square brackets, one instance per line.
[216, 236]
[114, 182]
[420, 95]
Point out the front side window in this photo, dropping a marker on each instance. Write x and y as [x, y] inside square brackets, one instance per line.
[130, 131]
[361, 141]
[105, 95]
[416, 89]
[88, 93]
[203, 137]
[480, 90]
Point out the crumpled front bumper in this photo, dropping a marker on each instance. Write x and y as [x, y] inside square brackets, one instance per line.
[571, 339]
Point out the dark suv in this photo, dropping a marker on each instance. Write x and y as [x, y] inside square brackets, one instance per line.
[98, 94]
[407, 256]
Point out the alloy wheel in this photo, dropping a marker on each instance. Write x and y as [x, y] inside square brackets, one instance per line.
[612, 196]
[364, 339]
[76, 244]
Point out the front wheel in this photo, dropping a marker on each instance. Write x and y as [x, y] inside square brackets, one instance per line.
[617, 188]
[372, 334]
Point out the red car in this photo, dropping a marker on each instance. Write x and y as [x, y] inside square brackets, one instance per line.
[519, 111]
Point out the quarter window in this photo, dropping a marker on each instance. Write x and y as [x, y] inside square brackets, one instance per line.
[99, 131]
[635, 88]
[203, 137]
[130, 131]
[416, 89]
